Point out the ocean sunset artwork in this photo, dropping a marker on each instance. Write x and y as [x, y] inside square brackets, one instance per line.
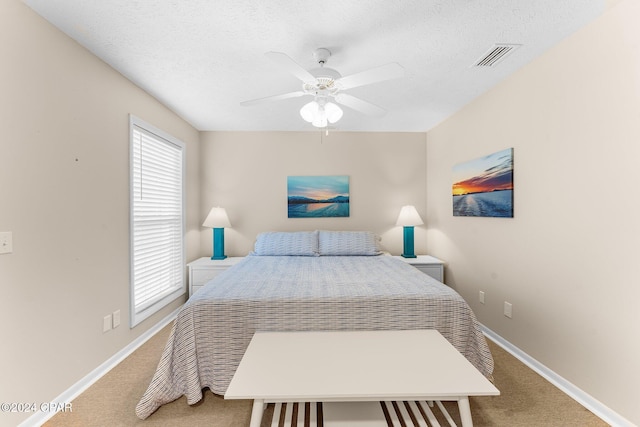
[318, 196]
[484, 186]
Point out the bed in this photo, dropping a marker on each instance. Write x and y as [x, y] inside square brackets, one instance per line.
[298, 281]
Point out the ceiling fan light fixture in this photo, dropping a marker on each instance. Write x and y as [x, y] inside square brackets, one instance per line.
[321, 115]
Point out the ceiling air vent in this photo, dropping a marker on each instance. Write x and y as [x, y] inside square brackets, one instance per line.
[496, 54]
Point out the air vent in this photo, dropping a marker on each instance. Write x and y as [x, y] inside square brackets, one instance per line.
[496, 54]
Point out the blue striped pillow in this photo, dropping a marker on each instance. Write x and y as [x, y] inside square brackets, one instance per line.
[348, 243]
[282, 243]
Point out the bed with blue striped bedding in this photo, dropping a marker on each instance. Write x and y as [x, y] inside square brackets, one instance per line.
[302, 293]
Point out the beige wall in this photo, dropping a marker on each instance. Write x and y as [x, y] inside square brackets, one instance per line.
[246, 173]
[568, 261]
[64, 193]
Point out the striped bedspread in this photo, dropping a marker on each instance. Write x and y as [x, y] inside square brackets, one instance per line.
[296, 293]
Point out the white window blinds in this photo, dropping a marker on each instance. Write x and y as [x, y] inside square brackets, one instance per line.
[157, 220]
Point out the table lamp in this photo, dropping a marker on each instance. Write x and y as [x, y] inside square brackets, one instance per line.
[408, 218]
[218, 220]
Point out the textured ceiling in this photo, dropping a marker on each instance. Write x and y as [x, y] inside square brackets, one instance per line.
[201, 58]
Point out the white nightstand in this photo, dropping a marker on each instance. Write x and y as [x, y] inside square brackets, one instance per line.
[204, 269]
[429, 265]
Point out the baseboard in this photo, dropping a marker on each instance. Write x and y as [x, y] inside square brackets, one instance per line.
[598, 408]
[39, 418]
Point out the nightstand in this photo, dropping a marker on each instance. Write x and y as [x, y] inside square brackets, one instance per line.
[204, 269]
[429, 265]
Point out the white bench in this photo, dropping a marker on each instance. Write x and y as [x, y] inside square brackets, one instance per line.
[355, 366]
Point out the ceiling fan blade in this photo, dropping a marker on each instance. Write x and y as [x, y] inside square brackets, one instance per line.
[360, 105]
[273, 98]
[374, 75]
[291, 66]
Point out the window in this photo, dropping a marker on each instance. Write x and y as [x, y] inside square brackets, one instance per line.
[157, 219]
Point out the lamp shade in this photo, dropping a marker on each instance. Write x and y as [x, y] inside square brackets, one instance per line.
[409, 217]
[334, 113]
[310, 111]
[217, 218]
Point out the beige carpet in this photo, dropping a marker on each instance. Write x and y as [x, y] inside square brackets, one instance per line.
[526, 399]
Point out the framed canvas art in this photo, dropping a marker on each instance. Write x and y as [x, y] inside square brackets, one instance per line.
[484, 186]
[318, 196]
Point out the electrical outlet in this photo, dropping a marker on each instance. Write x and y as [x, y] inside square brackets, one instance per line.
[106, 323]
[6, 242]
[481, 297]
[508, 309]
[116, 319]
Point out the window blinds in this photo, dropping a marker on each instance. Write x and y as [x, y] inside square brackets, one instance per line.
[157, 222]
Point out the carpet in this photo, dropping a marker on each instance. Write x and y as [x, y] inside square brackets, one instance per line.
[526, 399]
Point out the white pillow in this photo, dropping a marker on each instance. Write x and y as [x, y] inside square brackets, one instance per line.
[348, 243]
[282, 243]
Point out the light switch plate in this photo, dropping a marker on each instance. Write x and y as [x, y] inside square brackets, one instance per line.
[508, 309]
[116, 319]
[6, 242]
[106, 323]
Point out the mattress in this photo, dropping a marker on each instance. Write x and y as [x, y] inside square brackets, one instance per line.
[302, 293]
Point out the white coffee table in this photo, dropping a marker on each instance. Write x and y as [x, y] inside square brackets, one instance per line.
[355, 366]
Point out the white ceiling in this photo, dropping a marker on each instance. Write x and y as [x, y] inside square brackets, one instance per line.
[201, 58]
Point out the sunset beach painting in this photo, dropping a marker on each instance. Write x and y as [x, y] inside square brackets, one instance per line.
[318, 196]
[484, 186]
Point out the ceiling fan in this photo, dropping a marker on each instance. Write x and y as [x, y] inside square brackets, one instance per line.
[327, 85]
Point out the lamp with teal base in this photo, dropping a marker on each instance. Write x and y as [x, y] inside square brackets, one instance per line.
[218, 220]
[408, 218]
